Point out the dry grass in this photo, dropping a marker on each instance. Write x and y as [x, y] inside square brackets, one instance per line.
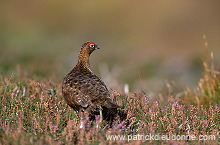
[208, 90]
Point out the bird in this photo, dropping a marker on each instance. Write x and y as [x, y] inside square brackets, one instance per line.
[84, 91]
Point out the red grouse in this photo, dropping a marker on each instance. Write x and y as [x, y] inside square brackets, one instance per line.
[83, 90]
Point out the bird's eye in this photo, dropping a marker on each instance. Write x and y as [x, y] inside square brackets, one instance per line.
[92, 45]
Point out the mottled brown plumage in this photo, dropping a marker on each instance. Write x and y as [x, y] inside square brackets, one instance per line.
[83, 90]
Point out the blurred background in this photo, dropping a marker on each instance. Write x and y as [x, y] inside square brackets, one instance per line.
[143, 44]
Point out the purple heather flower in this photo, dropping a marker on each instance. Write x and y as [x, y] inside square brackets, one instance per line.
[150, 111]
[97, 117]
[119, 126]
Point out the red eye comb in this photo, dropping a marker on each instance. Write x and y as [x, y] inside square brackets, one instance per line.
[91, 43]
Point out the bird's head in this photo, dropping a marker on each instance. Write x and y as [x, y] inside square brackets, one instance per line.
[89, 47]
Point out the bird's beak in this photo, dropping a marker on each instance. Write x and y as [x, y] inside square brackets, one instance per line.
[97, 47]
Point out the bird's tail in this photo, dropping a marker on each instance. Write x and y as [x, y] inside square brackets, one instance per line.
[111, 104]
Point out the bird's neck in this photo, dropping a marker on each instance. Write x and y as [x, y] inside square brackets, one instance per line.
[83, 60]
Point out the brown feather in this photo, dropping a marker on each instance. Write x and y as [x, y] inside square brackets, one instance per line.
[82, 89]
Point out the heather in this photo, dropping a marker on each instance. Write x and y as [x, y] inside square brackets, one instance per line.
[33, 111]
[154, 58]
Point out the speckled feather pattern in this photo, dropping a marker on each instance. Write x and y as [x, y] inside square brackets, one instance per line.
[82, 89]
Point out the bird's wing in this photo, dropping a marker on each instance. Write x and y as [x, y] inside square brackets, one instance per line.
[97, 91]
[94, 87]
[87, 90]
